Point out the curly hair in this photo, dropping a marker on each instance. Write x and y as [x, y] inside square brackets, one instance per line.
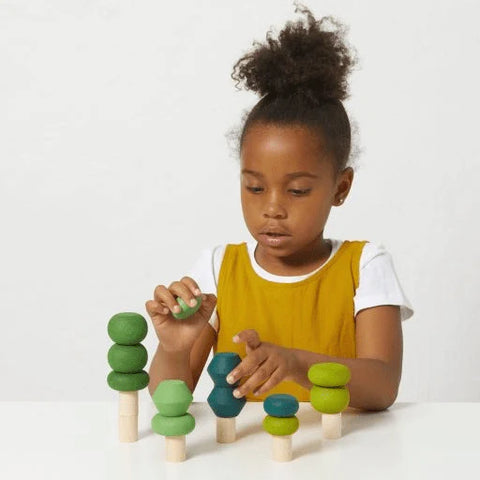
[302, 79]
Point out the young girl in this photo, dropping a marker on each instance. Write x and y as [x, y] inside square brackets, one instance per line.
[291, 298]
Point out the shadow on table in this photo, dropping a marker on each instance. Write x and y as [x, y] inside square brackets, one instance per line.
[353, 420]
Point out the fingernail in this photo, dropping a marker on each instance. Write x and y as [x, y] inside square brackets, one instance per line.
[165, 311]
[197, 291]
[230, 379]
[236, 394]
[193, 302]
[236, 339]
[256, 393]
[176, 309]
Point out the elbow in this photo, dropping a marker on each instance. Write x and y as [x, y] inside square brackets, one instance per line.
[385, 399]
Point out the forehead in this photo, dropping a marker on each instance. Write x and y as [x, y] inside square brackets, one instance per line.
[282, 148]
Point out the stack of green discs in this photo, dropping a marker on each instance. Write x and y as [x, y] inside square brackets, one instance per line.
[172, 399]
[329, 395]
[281, 423]
[127, 357]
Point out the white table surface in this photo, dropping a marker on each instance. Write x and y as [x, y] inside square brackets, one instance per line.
[68, 440]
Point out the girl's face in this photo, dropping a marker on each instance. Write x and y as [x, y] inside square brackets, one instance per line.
[288, 186]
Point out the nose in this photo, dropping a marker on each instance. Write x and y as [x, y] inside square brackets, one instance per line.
[274, 210]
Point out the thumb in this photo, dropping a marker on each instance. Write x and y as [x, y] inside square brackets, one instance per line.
[209, 300]
[249, 337]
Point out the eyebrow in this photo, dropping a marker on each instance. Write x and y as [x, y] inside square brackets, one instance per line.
[289, 175]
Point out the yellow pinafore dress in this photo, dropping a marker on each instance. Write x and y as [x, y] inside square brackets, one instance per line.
[315, 314]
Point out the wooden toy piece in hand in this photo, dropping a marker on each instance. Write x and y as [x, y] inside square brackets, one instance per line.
[127, 358]
[186, 310]
[329, 395]
[281, 423]
[172, 399]
[221, 400]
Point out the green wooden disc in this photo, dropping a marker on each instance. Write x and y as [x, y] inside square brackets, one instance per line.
[127, 382]
[127, 358]
[173, 426]
[329, 400]
[172, 398]
[329, 374]
[186, 310]
[280, 425]
[127, 328]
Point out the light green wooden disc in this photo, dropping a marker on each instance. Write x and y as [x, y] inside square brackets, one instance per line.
[172, 398]
[329, 374]
[173, 426]
[329, 400]
[186, 310]
[280, 425]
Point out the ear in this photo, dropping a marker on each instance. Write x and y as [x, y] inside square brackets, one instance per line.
[344, 183]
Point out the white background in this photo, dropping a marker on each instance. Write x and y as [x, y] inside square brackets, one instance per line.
[115, 172]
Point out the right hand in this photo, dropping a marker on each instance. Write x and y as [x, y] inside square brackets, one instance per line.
[179, 335]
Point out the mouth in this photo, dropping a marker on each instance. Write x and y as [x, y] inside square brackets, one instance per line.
[274, 239]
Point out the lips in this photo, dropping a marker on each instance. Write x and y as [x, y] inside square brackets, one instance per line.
[274, 232]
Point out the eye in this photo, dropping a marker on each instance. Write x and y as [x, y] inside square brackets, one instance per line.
[254, 189]
[300, 192]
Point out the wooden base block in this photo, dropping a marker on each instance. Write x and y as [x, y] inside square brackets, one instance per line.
[282, 448]
[175, 448]
[226, 430]
[128, 416]
[332, 425]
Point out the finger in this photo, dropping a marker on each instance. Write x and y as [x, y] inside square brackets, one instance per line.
[164, 296]
[184, 291]
[275, 378]
[247, 366]
[249, 337]
[192, 285]
[262, 374]
[155, 309]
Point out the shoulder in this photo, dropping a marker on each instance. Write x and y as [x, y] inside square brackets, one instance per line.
[379, 283]
[210, 260]
[374, 252]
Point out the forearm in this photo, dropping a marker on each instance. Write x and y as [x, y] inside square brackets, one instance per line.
[170, 365]
[373, 385]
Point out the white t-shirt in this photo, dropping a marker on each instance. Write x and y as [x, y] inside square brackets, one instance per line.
[378, 282]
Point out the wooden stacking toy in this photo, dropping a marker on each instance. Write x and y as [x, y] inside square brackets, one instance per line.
[172, 399]
[187, 311]
[281, 423]
[221, 400]
[329, 395]
[127, 357]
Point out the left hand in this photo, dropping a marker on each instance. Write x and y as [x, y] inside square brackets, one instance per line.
[265, 362]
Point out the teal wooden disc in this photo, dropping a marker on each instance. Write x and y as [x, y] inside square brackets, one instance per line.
[281, 405]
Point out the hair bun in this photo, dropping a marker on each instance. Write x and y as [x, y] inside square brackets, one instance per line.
[305, 58]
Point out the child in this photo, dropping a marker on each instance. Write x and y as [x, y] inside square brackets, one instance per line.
[292, 298]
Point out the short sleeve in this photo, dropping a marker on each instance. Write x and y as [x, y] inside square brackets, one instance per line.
[205, 272]
[378, 282]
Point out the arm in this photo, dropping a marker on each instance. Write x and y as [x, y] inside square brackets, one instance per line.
[376, 370]
[183, 365]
